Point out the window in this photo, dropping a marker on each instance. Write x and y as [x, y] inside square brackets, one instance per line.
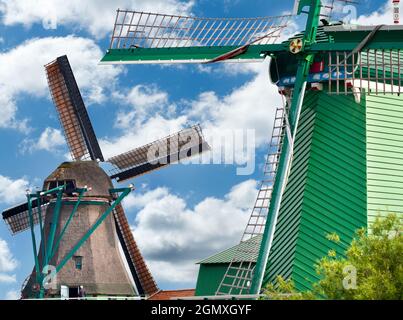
[52, 185]
[78, 261]
[70, 185]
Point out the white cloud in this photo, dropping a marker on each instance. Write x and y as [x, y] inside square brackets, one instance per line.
[173, 236]
[13, 295]
[6, 278]
[382, 16]
[7, 263]
[22, 71]
[8, 108]
[250, 106]
[142, 97]
[152, 115]
[94, 16]
[12, 191]
[50, 140]
[144, 100]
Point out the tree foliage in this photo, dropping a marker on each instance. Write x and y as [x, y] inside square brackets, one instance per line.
[371, 269]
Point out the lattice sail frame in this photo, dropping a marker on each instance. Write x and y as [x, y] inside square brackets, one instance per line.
[17, 218]
[171, 149]
[134, 29]
[73, 116]
[65, 110]
[134, 256]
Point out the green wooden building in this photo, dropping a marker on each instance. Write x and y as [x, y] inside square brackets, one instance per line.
[213, 268]
[347, 169]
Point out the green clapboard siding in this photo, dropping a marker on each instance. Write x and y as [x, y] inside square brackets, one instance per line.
[384, 155]
[326, 192]
[209, 278]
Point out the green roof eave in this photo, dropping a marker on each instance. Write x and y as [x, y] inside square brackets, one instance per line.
[347, 37]
[227, 255]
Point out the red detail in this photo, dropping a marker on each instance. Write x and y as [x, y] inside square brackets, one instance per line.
[316, 87]
[396, 4]
[231, 54]
[169, 294]
[349, 84]
[317, 67]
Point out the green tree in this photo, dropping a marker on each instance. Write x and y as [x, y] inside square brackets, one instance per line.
[372, 268]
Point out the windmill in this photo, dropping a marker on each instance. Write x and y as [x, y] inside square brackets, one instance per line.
[81, 220]
[325, 166]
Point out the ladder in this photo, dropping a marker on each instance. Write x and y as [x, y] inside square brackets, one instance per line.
[239, 274]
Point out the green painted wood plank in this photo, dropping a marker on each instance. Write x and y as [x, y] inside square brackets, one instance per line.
[332, 183]
[384, 155]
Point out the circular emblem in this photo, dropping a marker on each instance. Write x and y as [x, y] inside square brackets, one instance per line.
[296, 46]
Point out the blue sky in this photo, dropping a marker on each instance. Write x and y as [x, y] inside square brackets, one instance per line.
[179, 215]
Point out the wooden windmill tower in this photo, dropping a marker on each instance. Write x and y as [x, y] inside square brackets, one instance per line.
[335, 157]
[81, 220]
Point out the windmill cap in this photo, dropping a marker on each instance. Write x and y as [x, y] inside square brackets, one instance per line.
[83, 173]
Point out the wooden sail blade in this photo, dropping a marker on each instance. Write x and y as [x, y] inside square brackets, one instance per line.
[17, 217]
[158, 154]
[142, 276]
[73, 116]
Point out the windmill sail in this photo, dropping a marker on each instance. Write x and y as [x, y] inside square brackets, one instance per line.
[73, 116]
[142, 276]
[17, 218]
[143, 37]
[158, 154]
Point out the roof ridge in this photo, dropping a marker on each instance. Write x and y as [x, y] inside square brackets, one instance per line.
[229, 250]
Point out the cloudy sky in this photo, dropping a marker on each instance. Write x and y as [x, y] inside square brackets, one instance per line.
[181, 214]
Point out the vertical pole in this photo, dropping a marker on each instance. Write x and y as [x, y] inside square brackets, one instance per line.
[51, 237]
[81, 193]
[55, 219]
[41, 228]
[44, 253]
[305, 62]
[31, 223]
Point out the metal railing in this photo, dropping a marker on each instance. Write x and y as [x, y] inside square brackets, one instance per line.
[376, 71]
